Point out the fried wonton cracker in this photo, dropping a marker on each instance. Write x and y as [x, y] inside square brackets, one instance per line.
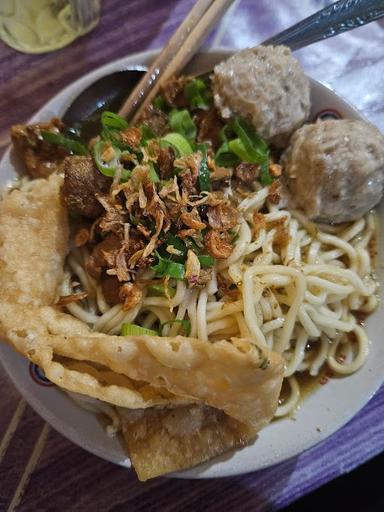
[235, 377]
[163, 440]
[34, 241]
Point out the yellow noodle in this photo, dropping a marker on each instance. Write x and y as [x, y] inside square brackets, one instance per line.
[288, 295]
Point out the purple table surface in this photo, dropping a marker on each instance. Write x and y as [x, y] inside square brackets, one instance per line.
[41, 470]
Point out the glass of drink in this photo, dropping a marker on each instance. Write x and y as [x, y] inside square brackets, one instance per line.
[39, 26]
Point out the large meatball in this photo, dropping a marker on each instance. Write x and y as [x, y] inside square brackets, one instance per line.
[334, 170]
[266, 86]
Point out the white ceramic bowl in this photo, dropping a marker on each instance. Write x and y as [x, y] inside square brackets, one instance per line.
[320, 415]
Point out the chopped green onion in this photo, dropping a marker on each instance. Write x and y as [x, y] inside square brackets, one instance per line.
[179, 245]
[112, 124]
[255, 146]
[186, 325]
[146, 134]
[223, 133]
[178, 142]
[250, 147]
[109, 135]
[106, 168]
[247, 147]
[125, 175]
[159, 103]
[197, 94]
[158, 290]
[204, 174]
[237, 147]
[153, 176]
[225, 157]
[59, 140]
[265, 176]
[206, 260]
[113, 121]
[181, 122]
[191, 243]
[166, 267]
[136, 330]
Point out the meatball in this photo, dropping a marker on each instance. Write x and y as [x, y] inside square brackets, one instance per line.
[266, 86]
[334, 170]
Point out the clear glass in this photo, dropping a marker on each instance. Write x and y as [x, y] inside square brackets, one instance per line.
[39, 26]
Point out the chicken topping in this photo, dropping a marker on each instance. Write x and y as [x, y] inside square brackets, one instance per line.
[247, 173]
[274, 192]
[82, 184]
[130, 295]
[40, 158]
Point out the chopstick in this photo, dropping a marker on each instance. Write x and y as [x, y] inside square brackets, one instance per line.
[159, 64]
[179, 50]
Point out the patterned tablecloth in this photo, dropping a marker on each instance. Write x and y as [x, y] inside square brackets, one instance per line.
[41, 470]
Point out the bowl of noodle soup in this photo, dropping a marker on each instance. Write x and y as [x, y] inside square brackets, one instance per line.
[308, 299]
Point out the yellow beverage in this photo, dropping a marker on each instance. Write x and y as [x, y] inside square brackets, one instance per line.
[39, 26]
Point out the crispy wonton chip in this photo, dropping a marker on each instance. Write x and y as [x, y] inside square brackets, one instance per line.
[163, 440]
[239, 381]
[34, 242]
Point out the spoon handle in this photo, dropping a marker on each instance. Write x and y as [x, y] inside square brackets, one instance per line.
[329, 22]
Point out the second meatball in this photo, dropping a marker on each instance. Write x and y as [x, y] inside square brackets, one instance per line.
[334, 170]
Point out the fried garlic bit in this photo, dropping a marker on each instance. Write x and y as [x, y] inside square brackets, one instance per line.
[217, 246]
[192, 268]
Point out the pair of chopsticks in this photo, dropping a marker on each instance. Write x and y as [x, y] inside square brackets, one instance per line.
[176, 54]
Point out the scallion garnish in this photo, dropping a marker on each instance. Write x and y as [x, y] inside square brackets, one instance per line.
[265, 176]
[197, 94]
[106, 166]
[153, 176]
[146, 134]
[179, 245]
[181, 122]
[178, 142]
[255, 146]
[206, 260]
[112, 124]
[225, 157]
[159, 103]
[166, 267]
[113, 121]
[204, 175]
[59, 140]
[136, 330]
[237, 147]
[248, 146]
